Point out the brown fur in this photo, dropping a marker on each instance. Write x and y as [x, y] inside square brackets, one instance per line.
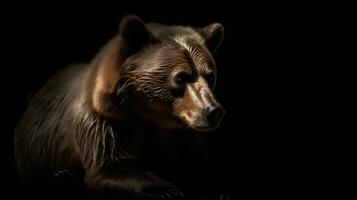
[75, 120]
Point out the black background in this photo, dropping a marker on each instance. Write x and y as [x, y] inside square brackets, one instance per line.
[268, 143]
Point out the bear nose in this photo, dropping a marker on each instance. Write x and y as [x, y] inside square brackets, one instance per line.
[215, 114]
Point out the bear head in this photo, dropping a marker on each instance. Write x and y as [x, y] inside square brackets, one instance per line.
[165, 74]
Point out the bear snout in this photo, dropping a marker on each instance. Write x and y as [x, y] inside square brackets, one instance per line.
[214, 115]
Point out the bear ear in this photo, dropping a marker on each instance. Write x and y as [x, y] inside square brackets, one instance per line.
[134, 34]
[213, 35]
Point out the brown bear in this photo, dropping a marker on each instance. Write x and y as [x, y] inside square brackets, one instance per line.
[148, 83]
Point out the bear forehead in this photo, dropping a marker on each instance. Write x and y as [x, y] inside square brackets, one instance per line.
[163, 32]
[189, 40]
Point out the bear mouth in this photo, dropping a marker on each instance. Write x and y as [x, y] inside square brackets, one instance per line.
[201, 126]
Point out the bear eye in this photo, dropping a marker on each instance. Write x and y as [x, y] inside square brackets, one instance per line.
[210, 78]
[183, 78]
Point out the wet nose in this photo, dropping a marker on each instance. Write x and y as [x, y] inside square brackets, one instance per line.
[215, 115]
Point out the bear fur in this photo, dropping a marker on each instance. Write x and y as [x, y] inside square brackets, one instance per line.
[139, 107]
